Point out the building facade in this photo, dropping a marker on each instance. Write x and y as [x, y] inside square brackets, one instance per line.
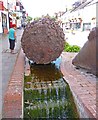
[10, 13]
[4, 19]
[82, 17]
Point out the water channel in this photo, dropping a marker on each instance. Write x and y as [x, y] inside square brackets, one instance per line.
[47, 95]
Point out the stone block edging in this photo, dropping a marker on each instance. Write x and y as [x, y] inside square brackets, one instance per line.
[83, 87]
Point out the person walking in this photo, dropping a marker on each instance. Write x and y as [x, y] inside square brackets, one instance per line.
[12, 38]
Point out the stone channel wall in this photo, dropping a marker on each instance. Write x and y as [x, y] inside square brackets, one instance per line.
[82, 85]
[82, 110]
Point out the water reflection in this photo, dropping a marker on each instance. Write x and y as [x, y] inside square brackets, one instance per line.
[46, 94]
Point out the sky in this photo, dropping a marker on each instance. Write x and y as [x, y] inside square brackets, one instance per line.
[37, 8]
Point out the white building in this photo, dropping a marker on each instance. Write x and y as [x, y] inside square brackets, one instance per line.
[4, 19]
[83, 17]
[10, 13]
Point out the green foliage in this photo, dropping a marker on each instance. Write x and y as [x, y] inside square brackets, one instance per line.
[71, 48]
[28, 19]
[53, 18]
[17, 17]
[37, 18]
[47, 16]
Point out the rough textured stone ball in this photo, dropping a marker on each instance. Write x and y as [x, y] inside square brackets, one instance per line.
[43, 41]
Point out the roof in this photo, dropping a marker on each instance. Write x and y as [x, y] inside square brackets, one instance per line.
[87, 3]
[93, 2]
[83, 5]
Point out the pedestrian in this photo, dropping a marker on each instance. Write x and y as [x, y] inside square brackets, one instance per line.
[12, 37]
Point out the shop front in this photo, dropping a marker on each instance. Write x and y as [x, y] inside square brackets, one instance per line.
[4, 23]
[0, 23]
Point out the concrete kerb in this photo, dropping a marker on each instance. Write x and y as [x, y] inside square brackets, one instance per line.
[14, 67]
[13, 98]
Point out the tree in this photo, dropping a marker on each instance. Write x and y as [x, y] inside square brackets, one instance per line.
[28, 19]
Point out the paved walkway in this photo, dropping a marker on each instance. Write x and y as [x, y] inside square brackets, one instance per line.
[83, 86]
[13, 99]
[7, 63]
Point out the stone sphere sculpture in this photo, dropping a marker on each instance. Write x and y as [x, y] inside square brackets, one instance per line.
[87, 57]
[43, 41]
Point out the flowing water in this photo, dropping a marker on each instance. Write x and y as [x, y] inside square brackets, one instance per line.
[47, 95]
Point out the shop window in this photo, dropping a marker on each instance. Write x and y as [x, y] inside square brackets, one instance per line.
[4, 20]
[86, 26]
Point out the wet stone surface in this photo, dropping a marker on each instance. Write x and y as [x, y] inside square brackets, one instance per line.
[46, 94]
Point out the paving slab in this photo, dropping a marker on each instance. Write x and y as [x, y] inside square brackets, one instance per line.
[12, 106]
[7, 62]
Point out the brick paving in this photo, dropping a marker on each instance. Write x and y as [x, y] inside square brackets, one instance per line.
[82, 85]
[12, 107]
[7, 62]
